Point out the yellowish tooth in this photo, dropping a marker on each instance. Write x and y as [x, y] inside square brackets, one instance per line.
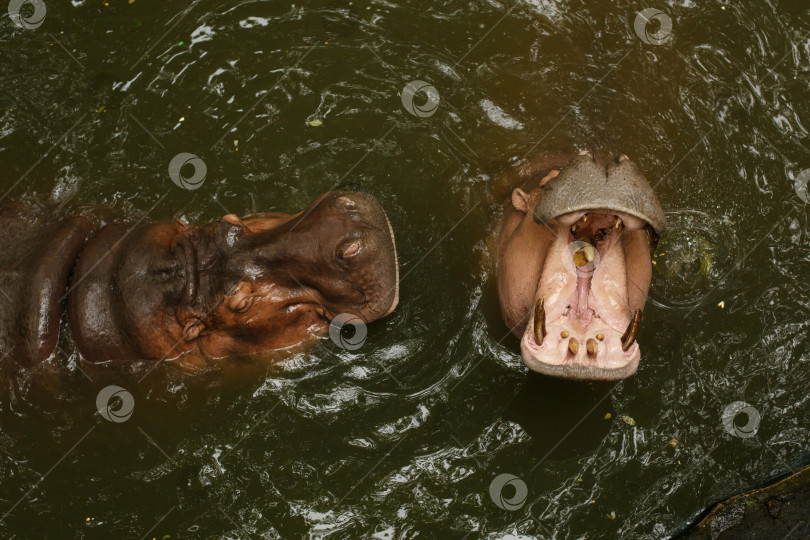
[632, 329]
[564, 334]
[573, 346]
[591, 347]
[580, 258]
[590, 253]
[600, 337]
[539, 321]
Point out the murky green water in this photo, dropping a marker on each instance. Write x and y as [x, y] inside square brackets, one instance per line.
[403, 437]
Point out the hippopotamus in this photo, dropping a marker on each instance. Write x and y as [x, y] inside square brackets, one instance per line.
[169, 290]
[574, 265]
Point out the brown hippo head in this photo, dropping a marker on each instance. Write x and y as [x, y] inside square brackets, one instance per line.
[236, 286]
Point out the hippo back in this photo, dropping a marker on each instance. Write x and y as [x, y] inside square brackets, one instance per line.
[37, 252]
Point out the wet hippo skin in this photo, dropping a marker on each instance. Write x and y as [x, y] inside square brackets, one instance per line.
[574, 264]
[169, 290]
[35, 265]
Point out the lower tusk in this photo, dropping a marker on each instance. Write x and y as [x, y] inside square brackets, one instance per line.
[573, 346]
[632, 329]
[539, 321]
[618, 224]
[591, 347]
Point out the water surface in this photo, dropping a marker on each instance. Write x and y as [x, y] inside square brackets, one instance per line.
[403, 437]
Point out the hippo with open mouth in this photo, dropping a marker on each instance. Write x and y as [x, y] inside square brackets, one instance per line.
[169, 290]
[574, 265]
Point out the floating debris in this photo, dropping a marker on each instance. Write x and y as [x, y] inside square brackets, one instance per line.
[673, 442]
[608, 416]
[315, 123]
[721, 304]
[628, 420]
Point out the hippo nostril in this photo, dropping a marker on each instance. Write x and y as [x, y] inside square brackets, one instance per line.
[192, 329]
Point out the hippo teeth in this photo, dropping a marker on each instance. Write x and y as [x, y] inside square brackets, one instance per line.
[573, 346]
[632, 329]
[592, 347]
[539, 321]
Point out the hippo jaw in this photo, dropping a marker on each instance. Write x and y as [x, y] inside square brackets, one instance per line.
[582, 325]
[553, 356]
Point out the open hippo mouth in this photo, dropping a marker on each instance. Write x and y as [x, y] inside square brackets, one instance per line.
[237, 286]
[574, 260]
[582, 325]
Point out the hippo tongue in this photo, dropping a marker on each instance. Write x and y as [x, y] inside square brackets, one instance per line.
[583, 288]
[580, 306]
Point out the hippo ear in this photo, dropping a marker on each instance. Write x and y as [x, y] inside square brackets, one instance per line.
[233, 219]
[521, 200]
[182, 226]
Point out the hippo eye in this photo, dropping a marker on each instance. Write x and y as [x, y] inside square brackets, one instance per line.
[349, 249]
[244, 304]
